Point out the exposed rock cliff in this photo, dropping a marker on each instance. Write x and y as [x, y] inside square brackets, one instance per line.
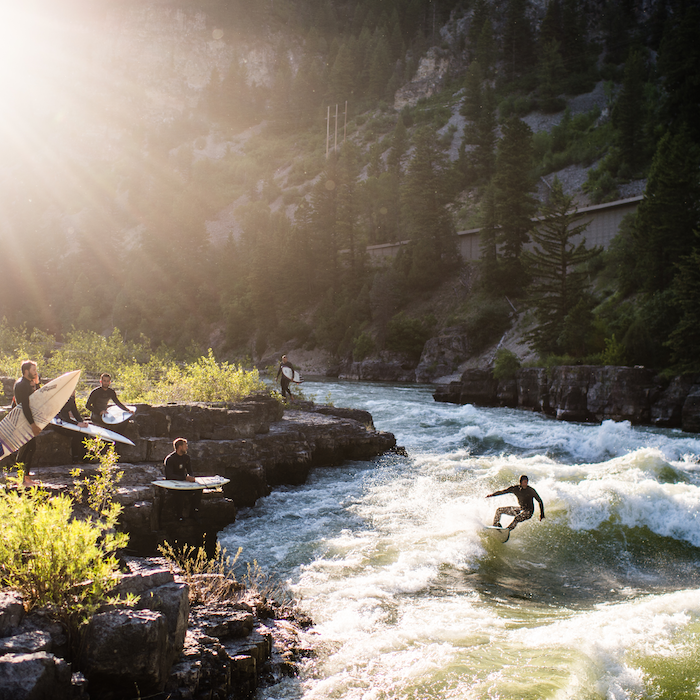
[586, 393]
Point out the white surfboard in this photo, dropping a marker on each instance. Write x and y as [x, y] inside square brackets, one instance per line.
[92, 430]
[292, 374]
[45, 403]
[116, 415]
[200, 483]
[500, 533]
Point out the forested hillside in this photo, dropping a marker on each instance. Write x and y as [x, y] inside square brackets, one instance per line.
[212, 172]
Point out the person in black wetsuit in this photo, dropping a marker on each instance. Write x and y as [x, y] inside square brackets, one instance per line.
[526, 496]
[178, 466]
[70, 414]
[284, 380]
[25, 386]
[99, 399]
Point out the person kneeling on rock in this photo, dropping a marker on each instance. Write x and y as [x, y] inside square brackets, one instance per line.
[178, 467]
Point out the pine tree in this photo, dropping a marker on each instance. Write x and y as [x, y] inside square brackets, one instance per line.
[559, 282]
[515, 204]
[551, 75]
[487, 243]
[679, 65]
[427, 221]
[486, 49]
[669, 213]
[518, 40]
[684, 341]
[629, 113]
[479, 17]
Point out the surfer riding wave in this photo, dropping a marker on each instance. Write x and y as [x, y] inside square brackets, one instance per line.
[525, 509]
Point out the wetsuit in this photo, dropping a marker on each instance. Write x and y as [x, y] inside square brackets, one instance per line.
[284, 381]
[70, 414]
[179, 467]
[23, 390]
[526, 508]
[99, 400]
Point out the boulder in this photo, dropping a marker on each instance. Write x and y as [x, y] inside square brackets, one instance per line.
[125, 654]
[620, 393]
[171, 599]
[11, 612]
[569, 392]
[34, 676]
[533, 389]
[442, 354]
[380, 370]
[690, 417]
[667, 402]
[479, 387]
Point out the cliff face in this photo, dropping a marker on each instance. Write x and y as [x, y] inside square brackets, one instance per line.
[586, 394]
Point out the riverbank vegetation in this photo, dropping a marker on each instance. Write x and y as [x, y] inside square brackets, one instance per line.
[140, 373]
[289, 265]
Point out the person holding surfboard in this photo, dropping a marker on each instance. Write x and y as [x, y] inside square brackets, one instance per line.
[24, 387]
[525, 509]
[285, 380]
[178, 467]
[70, 414]
[100, 397]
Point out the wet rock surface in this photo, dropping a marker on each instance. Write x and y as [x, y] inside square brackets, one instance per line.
[586, 393]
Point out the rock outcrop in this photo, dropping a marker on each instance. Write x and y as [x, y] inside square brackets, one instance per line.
[254, 443]
[220, 648]
[586, 393]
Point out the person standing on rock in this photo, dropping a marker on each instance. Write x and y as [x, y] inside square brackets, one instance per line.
[178, 467]
[284, 380]
[525, 509]
[99, 399]
[25, 386]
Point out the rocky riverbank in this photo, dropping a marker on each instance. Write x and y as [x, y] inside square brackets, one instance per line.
[586, 394]
[162, 647]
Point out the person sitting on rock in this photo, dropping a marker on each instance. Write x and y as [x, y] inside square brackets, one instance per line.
[178, 467]
[99, 399]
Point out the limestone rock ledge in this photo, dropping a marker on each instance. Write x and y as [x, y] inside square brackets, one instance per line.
[255, 443]
[586, 393]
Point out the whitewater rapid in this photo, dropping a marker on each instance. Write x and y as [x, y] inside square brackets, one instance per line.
[412, 599]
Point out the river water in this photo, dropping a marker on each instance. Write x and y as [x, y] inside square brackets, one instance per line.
[413, 599]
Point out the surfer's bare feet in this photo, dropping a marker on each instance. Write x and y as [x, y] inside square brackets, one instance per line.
[29, 482]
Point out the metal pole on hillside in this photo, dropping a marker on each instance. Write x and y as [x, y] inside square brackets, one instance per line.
[335, 148]
[345, 126]
[328, 129]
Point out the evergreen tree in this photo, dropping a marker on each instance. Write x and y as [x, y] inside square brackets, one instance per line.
[486, 49]
[343, 73]
[629, 113]
[684, 341]
[551, 74]
[559, 282]
[669, 213]
[487, 243]
[518, 40]
[679, 65]
[427, 221]
[515, 204]
[380, 70]
[479, 18]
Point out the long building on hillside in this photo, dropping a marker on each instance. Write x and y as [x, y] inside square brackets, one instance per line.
[603, 225]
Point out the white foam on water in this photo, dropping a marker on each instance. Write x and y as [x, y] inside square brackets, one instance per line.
[393, 565]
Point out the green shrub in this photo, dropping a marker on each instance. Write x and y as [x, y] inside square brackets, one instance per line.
[486, 322]
[407, 336]
[506, 365]
[54, 559]
[362, 346]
